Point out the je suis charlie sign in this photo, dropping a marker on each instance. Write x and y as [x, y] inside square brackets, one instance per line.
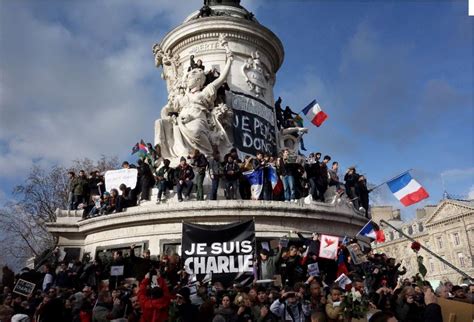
[224, 252]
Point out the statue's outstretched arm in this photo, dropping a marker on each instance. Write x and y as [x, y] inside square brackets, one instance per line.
[223, 76]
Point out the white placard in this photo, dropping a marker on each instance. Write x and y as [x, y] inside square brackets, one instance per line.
[343, 280]
[114, 178]
[313, 269]
[116, 270]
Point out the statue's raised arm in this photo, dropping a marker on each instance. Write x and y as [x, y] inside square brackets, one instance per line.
[230, 57]
[223, 76]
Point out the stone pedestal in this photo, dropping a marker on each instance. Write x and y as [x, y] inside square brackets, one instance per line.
[229, 39]
[157, 226]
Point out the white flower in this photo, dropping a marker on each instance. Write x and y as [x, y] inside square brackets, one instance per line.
[356, 294]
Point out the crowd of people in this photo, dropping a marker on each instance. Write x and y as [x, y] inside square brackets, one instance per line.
[158, 290]
[297, 177]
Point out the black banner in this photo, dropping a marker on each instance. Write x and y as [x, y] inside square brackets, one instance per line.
[254, 124]
[221, 252]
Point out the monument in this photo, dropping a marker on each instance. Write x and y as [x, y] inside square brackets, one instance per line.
[220, 67]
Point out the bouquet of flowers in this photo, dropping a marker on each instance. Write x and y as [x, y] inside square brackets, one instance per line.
[355, 305]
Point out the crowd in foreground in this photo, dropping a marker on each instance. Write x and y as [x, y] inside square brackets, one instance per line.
[156, 290]
[286, 178]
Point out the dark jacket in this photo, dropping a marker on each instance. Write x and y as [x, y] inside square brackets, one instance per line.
[80, 186]
[200, 163]
[231, 170]
[183, 173]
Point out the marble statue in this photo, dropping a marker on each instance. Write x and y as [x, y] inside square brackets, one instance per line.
[191, 120]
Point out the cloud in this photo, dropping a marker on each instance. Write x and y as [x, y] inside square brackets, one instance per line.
[456, 173]
[80, 85]
[470, 194]
[384, 83]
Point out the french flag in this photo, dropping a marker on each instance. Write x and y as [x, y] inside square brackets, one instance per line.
[372, 231]
[314, 112]
[407, 190]
[273, 176]
[255, 178]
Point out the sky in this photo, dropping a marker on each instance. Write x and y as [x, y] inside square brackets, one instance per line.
[77, 79]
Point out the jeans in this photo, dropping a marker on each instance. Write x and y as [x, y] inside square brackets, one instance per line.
[288, 187]
[199, 185]
[313, 191]
[162, 185]
[230, 187]
[214, 187]
[185, 188]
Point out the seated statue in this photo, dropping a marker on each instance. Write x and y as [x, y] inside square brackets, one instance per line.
[190, 122]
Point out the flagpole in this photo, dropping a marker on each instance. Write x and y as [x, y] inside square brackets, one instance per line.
[358, 234]
[428, 251]
[397, 176]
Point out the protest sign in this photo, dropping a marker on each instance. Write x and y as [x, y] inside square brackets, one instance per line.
[254, 123]
[328, 248]
[114, 178]
[313, 269]
[224, 252]
[356, 254]
[284, 242]
[24, 288]
[116, 270]
[343, 281]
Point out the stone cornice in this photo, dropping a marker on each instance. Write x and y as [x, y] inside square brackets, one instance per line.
[213, 212]
[449, 219]
[460, 205]
[234, 28]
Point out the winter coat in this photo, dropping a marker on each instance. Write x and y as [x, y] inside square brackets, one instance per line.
[154, 310]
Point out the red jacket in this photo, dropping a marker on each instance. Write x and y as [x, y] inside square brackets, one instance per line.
[154, 310]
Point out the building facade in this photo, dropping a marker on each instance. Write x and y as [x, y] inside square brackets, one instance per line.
[447, 229]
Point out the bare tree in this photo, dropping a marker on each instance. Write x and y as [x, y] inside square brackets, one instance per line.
[36, 200]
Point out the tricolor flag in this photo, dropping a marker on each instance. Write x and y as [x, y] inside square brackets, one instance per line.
[328, 248]
[255, 178]
[273, 176]
[314, 113]
[407, 190]
[371, 230]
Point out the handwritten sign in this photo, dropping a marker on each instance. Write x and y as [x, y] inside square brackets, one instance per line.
[116, 270]
[24, 288]
[114, 178]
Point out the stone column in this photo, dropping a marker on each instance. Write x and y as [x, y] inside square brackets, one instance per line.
[257, 54]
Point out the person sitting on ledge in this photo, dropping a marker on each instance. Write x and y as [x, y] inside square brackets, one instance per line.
[127, 198]
[184, 176]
